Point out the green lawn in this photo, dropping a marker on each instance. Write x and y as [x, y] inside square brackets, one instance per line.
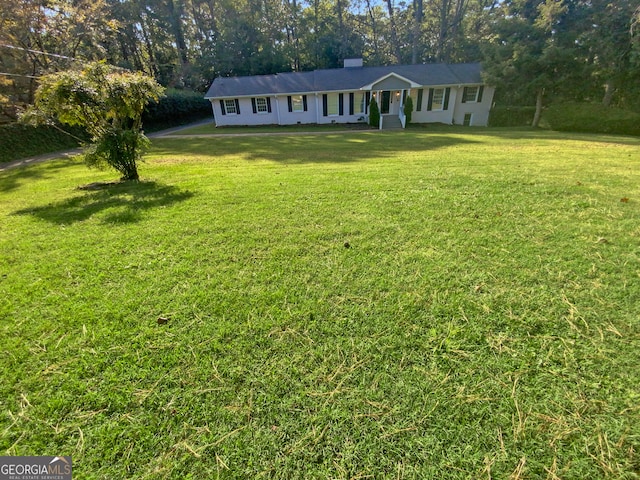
[211, 129]
[457, 303]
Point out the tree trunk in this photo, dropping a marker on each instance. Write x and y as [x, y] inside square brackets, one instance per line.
[609, 90]
[292, 32]
[213, 21]
[176, 11]
[316, 29]
[417, 30]
[453, 28]
[443, 30]
[343, 36]
[150, 50]
[394, 36]
[538, 114]
[374, 30]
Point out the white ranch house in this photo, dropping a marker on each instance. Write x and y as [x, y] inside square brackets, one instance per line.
[441, 93]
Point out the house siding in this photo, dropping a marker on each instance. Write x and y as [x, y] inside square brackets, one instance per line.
[344, 114]
[479, 111]
[246, 115]
[293, 118]
[435, 116]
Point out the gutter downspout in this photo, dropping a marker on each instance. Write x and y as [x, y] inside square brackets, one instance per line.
[379, 101]
[277, 108]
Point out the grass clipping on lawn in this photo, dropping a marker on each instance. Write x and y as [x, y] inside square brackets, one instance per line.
[439, 304]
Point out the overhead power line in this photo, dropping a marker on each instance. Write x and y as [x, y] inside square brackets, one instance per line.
[17, 75]
[13, 47]
[39, 52]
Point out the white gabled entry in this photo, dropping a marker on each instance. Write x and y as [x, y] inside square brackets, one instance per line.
[390, 92]
[390, 80]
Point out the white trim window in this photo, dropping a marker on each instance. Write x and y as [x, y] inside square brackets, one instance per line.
[261, 105]
[437, 102]
[333, 108]
[472, 95]
[230, 107]
[297, 103]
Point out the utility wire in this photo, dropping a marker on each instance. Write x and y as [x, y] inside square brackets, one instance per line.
[17, 75]
[12, 47]
[40, 52]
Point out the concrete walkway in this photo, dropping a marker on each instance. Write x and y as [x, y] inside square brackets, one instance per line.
[25, 162]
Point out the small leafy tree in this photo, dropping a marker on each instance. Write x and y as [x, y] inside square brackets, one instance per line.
[408, 109]
[374, 113]
[108, 103]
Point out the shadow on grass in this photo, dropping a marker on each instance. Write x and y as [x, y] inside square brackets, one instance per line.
[122, 202]
[12, 179]
[527, 133]
[304, 148]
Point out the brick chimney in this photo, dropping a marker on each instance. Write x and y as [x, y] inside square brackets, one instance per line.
[352, 62]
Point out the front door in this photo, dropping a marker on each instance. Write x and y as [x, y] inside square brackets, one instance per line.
[385, 101]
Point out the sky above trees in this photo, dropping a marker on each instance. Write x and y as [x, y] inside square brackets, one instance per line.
[575, 49]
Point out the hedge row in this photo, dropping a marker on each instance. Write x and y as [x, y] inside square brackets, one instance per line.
[571, 117]
[511, 116]
[21, 141]
[592, 118]
[176, 108]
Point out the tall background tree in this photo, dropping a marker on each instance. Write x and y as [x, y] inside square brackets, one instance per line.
[534, 49]
[608, 39]
[39, 37]
[526, 57]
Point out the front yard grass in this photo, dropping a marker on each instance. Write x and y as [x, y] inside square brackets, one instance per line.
[211, 129]
[405, 305]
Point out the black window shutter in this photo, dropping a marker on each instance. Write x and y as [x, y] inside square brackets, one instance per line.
[224, 111]
[351, 101]
[268, 105]
[447, 93]
[430, 101]
[304, 103]
[324, 105]
[253, 105]
[289, 103]
[367, 100]
[419, 100]
[464, 95]
[237, 107]
[480, 91]
[341, 104]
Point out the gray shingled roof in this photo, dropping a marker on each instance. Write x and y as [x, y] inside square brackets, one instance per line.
[341, 79]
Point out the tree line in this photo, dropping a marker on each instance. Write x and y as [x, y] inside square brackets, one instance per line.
[531, 49]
